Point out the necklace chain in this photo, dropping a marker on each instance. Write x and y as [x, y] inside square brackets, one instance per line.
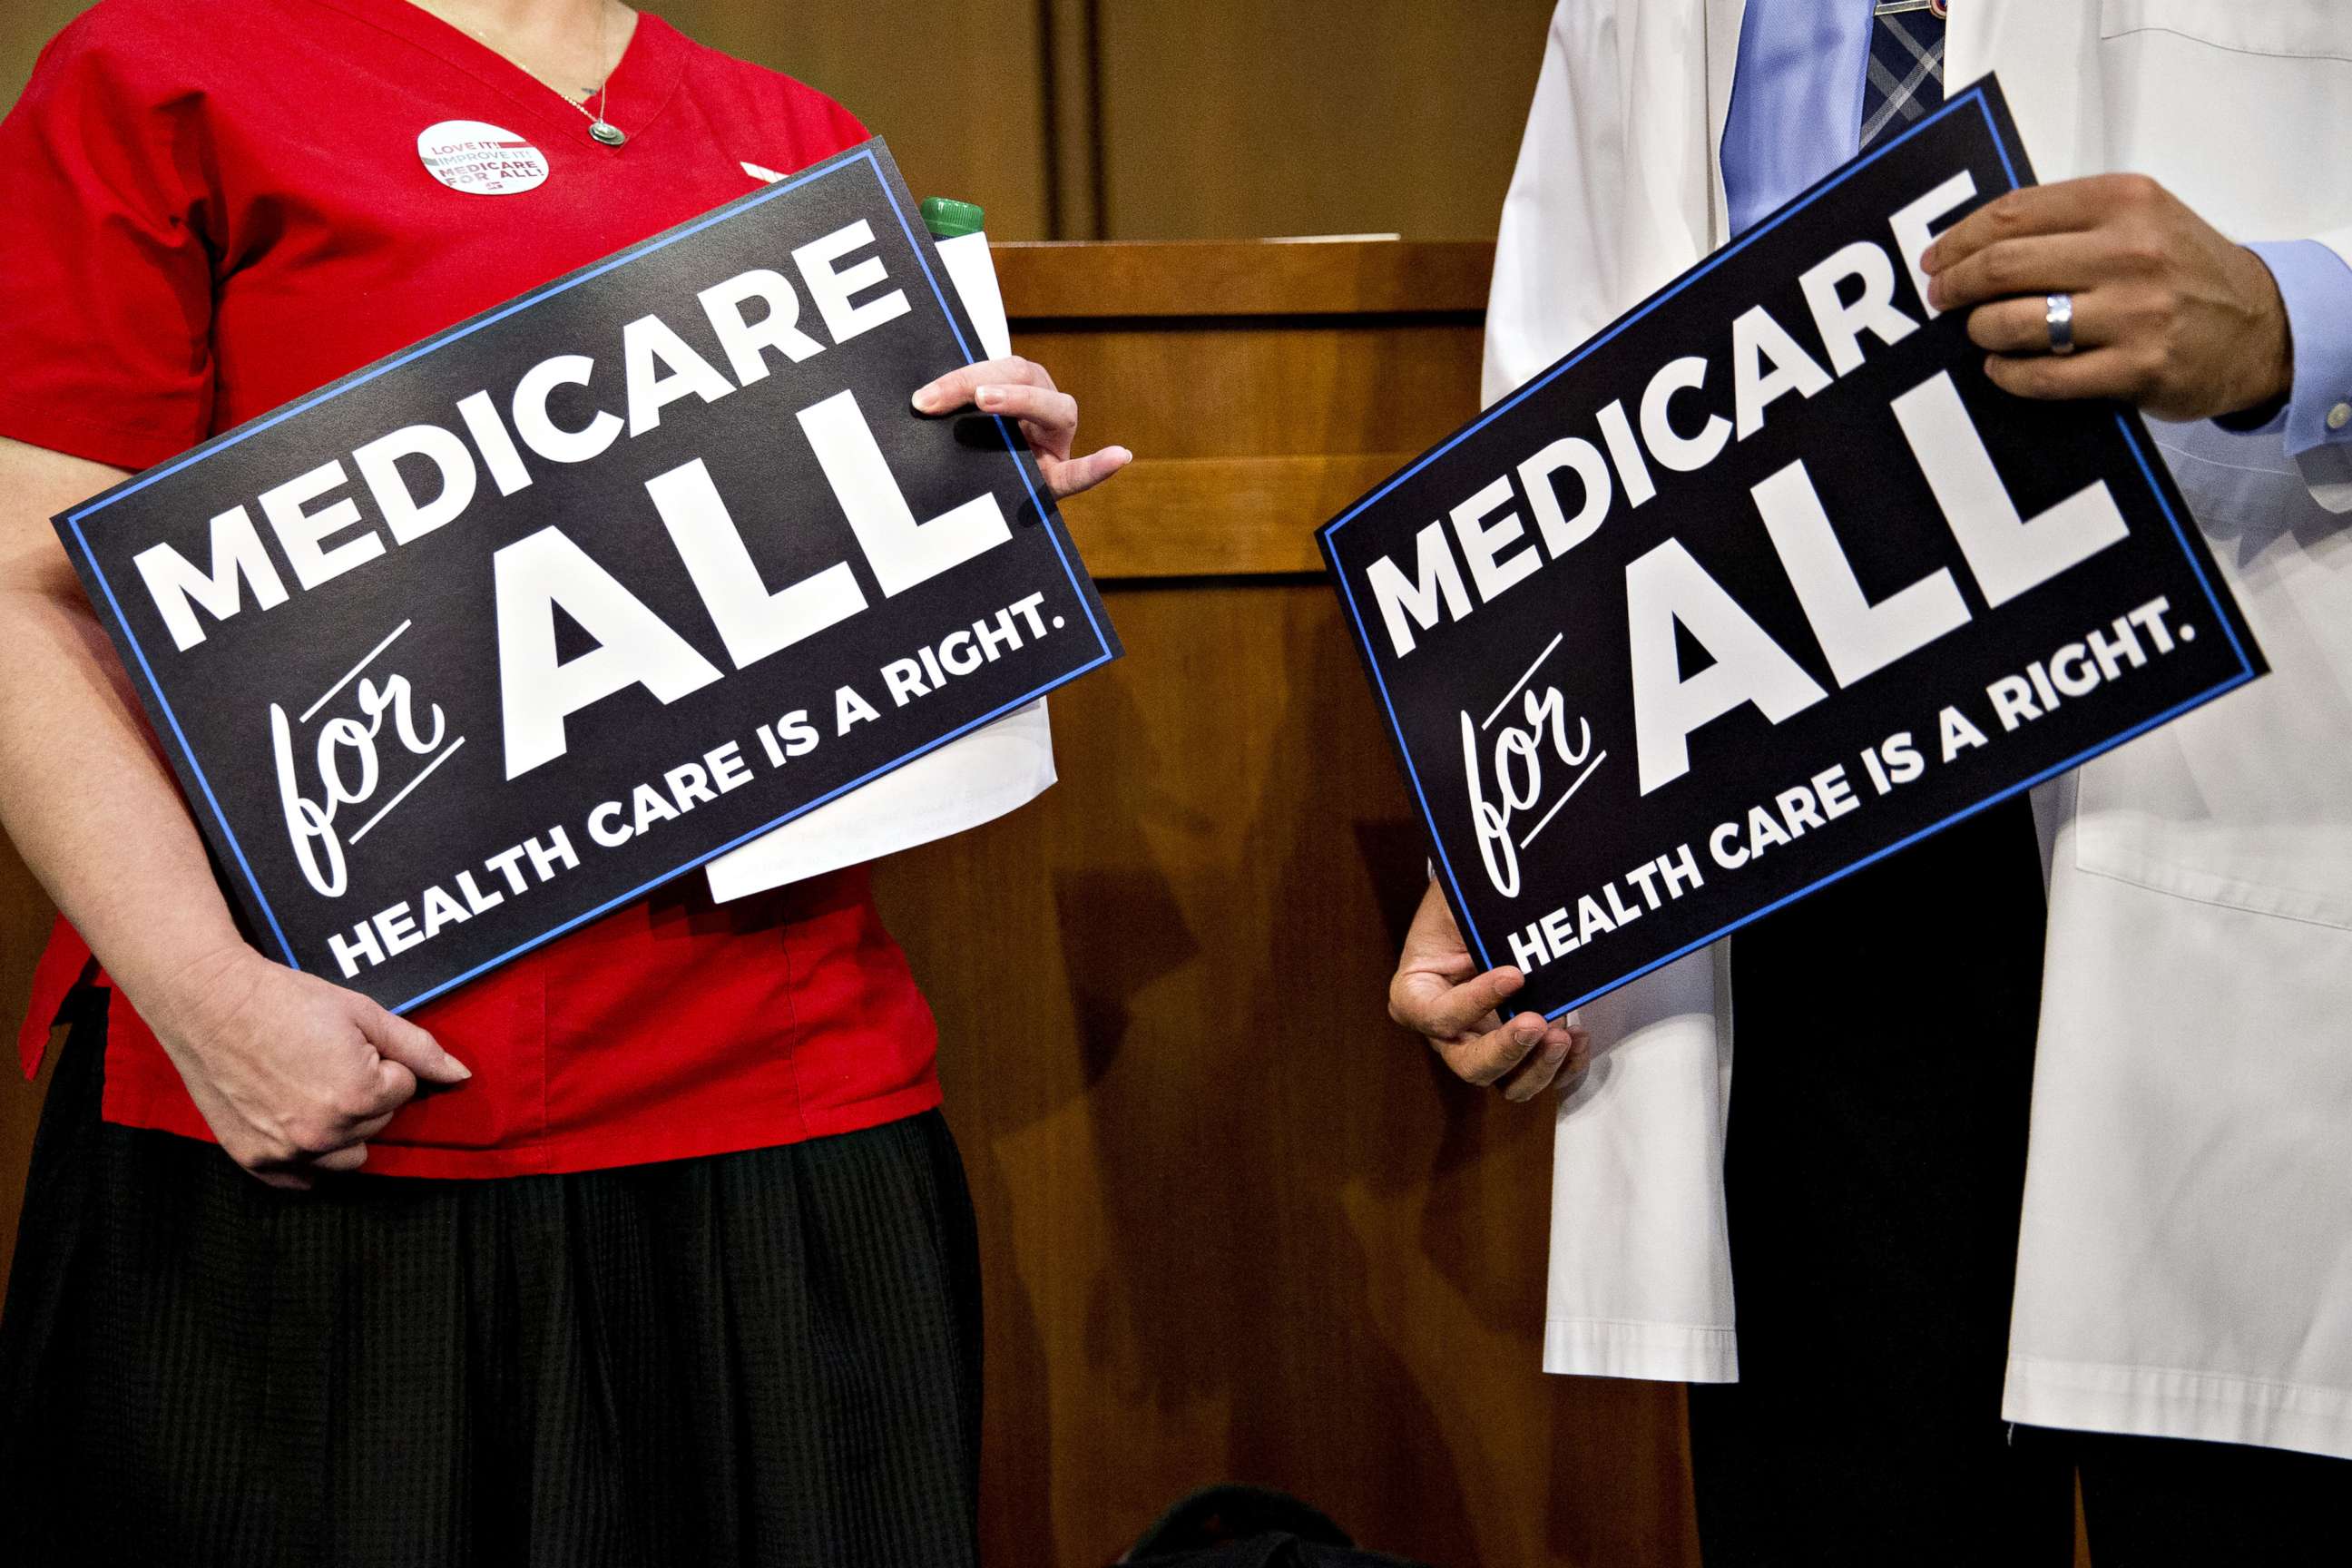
[599, 125]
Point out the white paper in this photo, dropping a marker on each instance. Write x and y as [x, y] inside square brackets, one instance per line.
[965, 782]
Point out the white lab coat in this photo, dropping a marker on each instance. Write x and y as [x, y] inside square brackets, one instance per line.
[2185, 1263]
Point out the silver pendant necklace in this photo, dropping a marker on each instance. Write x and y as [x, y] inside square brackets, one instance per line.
[601, 128]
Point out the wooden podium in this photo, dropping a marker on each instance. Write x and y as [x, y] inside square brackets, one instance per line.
[1238, 1225]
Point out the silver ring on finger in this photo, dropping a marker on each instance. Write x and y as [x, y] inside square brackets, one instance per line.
[2058, 315]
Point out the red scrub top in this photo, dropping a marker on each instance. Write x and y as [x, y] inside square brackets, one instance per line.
[214, 207]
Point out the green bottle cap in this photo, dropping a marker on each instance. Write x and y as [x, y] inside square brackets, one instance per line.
[947, 218]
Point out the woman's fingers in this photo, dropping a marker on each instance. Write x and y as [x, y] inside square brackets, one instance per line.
[366, 1130]
[1071, 475]
[955, 389]
[1049, 418]
[398, 1040]
[1017, 388]
[296, 1175]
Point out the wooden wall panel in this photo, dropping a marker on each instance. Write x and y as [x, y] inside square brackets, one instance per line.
[1237, 1224]
[1137, 119]
[1239, 373]
[1314, 116]
[957, 89]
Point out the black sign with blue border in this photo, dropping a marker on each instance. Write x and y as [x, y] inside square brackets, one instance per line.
[1764, 582]
[496, 635]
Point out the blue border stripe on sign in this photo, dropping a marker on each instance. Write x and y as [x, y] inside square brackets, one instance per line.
[1002, 429]
[2044, 776]
[2212, 599]
[1445, 861]
[1046, 519]
[1976, 96]
[140, 651]
[737, 843]
[1992, 129]
[452, 335]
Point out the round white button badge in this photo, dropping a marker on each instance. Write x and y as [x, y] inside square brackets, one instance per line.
[481, 160]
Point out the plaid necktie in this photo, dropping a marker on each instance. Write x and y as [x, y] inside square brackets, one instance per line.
[1906, 66]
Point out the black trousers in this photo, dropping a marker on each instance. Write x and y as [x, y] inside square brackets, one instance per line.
[768, 1358]
[1873, 1172]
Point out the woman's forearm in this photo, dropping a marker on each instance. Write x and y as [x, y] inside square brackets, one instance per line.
[83, 796]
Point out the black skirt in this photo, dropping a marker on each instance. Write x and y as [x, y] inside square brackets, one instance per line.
[769, 1357]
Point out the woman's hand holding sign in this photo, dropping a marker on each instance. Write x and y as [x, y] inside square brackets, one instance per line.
[293, 1074]
[1017, 388]
[2166, 313]
[1438, 992]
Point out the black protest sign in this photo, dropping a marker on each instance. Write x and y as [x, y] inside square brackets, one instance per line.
[494, 636]
[1764, 582]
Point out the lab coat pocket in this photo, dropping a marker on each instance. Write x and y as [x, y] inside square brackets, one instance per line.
[2246, 801]
[2264, 75]
[2303, 28]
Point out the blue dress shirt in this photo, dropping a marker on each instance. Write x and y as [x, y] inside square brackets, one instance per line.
[1796, 115]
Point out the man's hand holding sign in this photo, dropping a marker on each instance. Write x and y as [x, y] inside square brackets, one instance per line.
[1438, 991]
[2164, 311]
[439, 676]
[1816, 581]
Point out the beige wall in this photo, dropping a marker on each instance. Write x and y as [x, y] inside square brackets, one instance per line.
[1141, 119]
